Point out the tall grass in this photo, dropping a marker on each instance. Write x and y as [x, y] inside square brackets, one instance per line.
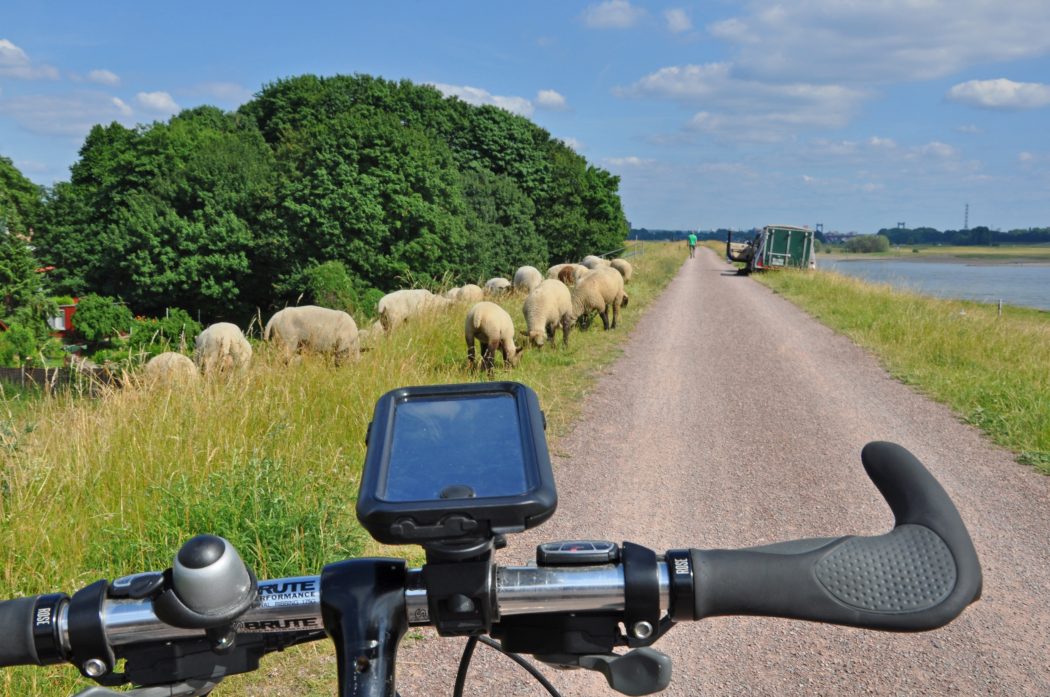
[270, 459]
[993, 370]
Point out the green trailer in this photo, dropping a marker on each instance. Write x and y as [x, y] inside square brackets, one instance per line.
[774, 247]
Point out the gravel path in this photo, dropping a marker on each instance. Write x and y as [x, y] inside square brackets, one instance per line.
[733, 419]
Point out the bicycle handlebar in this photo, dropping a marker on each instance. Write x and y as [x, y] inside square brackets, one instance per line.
[919, 576]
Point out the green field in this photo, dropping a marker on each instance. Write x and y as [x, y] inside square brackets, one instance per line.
[98, 488]
[992, 370]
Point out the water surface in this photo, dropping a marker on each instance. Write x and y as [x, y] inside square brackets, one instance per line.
[1025, 284]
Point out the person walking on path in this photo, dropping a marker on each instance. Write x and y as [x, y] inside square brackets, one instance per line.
[692, 245]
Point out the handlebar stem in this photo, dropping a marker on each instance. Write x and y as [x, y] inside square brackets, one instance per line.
[363, 607]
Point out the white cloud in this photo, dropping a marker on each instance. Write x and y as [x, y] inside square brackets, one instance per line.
[160, 102]
[1025, 156]
[746, 109]
[612, 14]
[14, 62]
[936, 149]
[479, 97]
[122, 107]
[968, 128]
[67, 115]
[629, 161]
[882, 143]
[573, 143]
[549, 99]
[103, 77]
[879, 42]
[677, 20]
[1001, 94]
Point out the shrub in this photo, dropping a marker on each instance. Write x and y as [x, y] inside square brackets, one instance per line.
[99, 318]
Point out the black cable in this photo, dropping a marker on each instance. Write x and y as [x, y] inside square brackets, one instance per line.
[464, 664]
[533, 670]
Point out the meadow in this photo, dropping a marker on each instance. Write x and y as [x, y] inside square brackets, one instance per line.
[99, 487]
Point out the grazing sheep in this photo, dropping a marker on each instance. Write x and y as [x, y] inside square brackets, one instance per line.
[548, 306]
[170, 368]
[397, 307]
[497, 286]
[624, 267]
[312, 328]
[526, 278]
[221, 348]
[568, 277]
[493, 327]
[366, 338]
[592, 262]
[597, 291]
[452, 294]
[471, 293]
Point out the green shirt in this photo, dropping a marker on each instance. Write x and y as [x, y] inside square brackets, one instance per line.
[692, 240]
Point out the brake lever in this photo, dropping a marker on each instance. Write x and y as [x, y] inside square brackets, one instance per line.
[641, 671]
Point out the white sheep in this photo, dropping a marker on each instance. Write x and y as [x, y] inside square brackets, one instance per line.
[170, 368]
[313, 328]
[526, 278]
[597, 291]
[624, 267]
[366, 338]
[452, 294]
[497, 286]
[396, 308]
[548, 306]
[222, 347]
[593, 262]
[567, 273]
[492, 326]
[471, 293]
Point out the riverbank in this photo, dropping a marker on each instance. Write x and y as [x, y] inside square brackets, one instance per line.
[991, 369]
[1032, 254]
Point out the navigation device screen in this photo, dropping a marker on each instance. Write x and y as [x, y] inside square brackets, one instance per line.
[442, 442]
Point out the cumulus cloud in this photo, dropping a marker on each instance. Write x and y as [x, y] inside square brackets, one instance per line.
[549, 99]
[748, 109]
[70, 115]
[879, 42]
[612, 14]
[103, 77]
[1001, 94]
[479, 97]
[160, 102]
[573, 143]
[677, 20]
[14, 62]
[629, 161]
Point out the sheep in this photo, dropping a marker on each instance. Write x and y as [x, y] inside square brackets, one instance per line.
[396, 308]
[367, 338]
[497, 286]
[596, 291]
[624, 267]
[452, 294]
[170, 368]
[567, 273]
[313, 328]
[592, 262]
[222, 347]
[547, 306]
[493, 327]
[471, 293]
[526, 278]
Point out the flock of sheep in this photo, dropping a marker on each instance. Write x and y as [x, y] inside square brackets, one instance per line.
[570, 292]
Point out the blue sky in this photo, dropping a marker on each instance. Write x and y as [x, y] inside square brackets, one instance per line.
[856, 114]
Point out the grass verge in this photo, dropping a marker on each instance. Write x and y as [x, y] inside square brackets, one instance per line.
[270, 459]
[992, 370]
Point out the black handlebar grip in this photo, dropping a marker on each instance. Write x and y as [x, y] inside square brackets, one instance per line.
[17, 646]
[919, 576]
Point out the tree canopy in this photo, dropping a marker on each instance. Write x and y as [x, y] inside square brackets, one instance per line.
[223, 213]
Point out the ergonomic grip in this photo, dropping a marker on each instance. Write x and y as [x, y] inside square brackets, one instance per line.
[919, 576]
[17, 647]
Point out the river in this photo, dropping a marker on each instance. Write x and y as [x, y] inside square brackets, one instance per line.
[1024, 284]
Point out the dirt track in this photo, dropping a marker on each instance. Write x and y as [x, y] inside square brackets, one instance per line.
[733, 419]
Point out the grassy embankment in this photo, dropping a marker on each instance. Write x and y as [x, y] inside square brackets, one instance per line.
[98, 488]
[1031, 253]
[994, 371]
